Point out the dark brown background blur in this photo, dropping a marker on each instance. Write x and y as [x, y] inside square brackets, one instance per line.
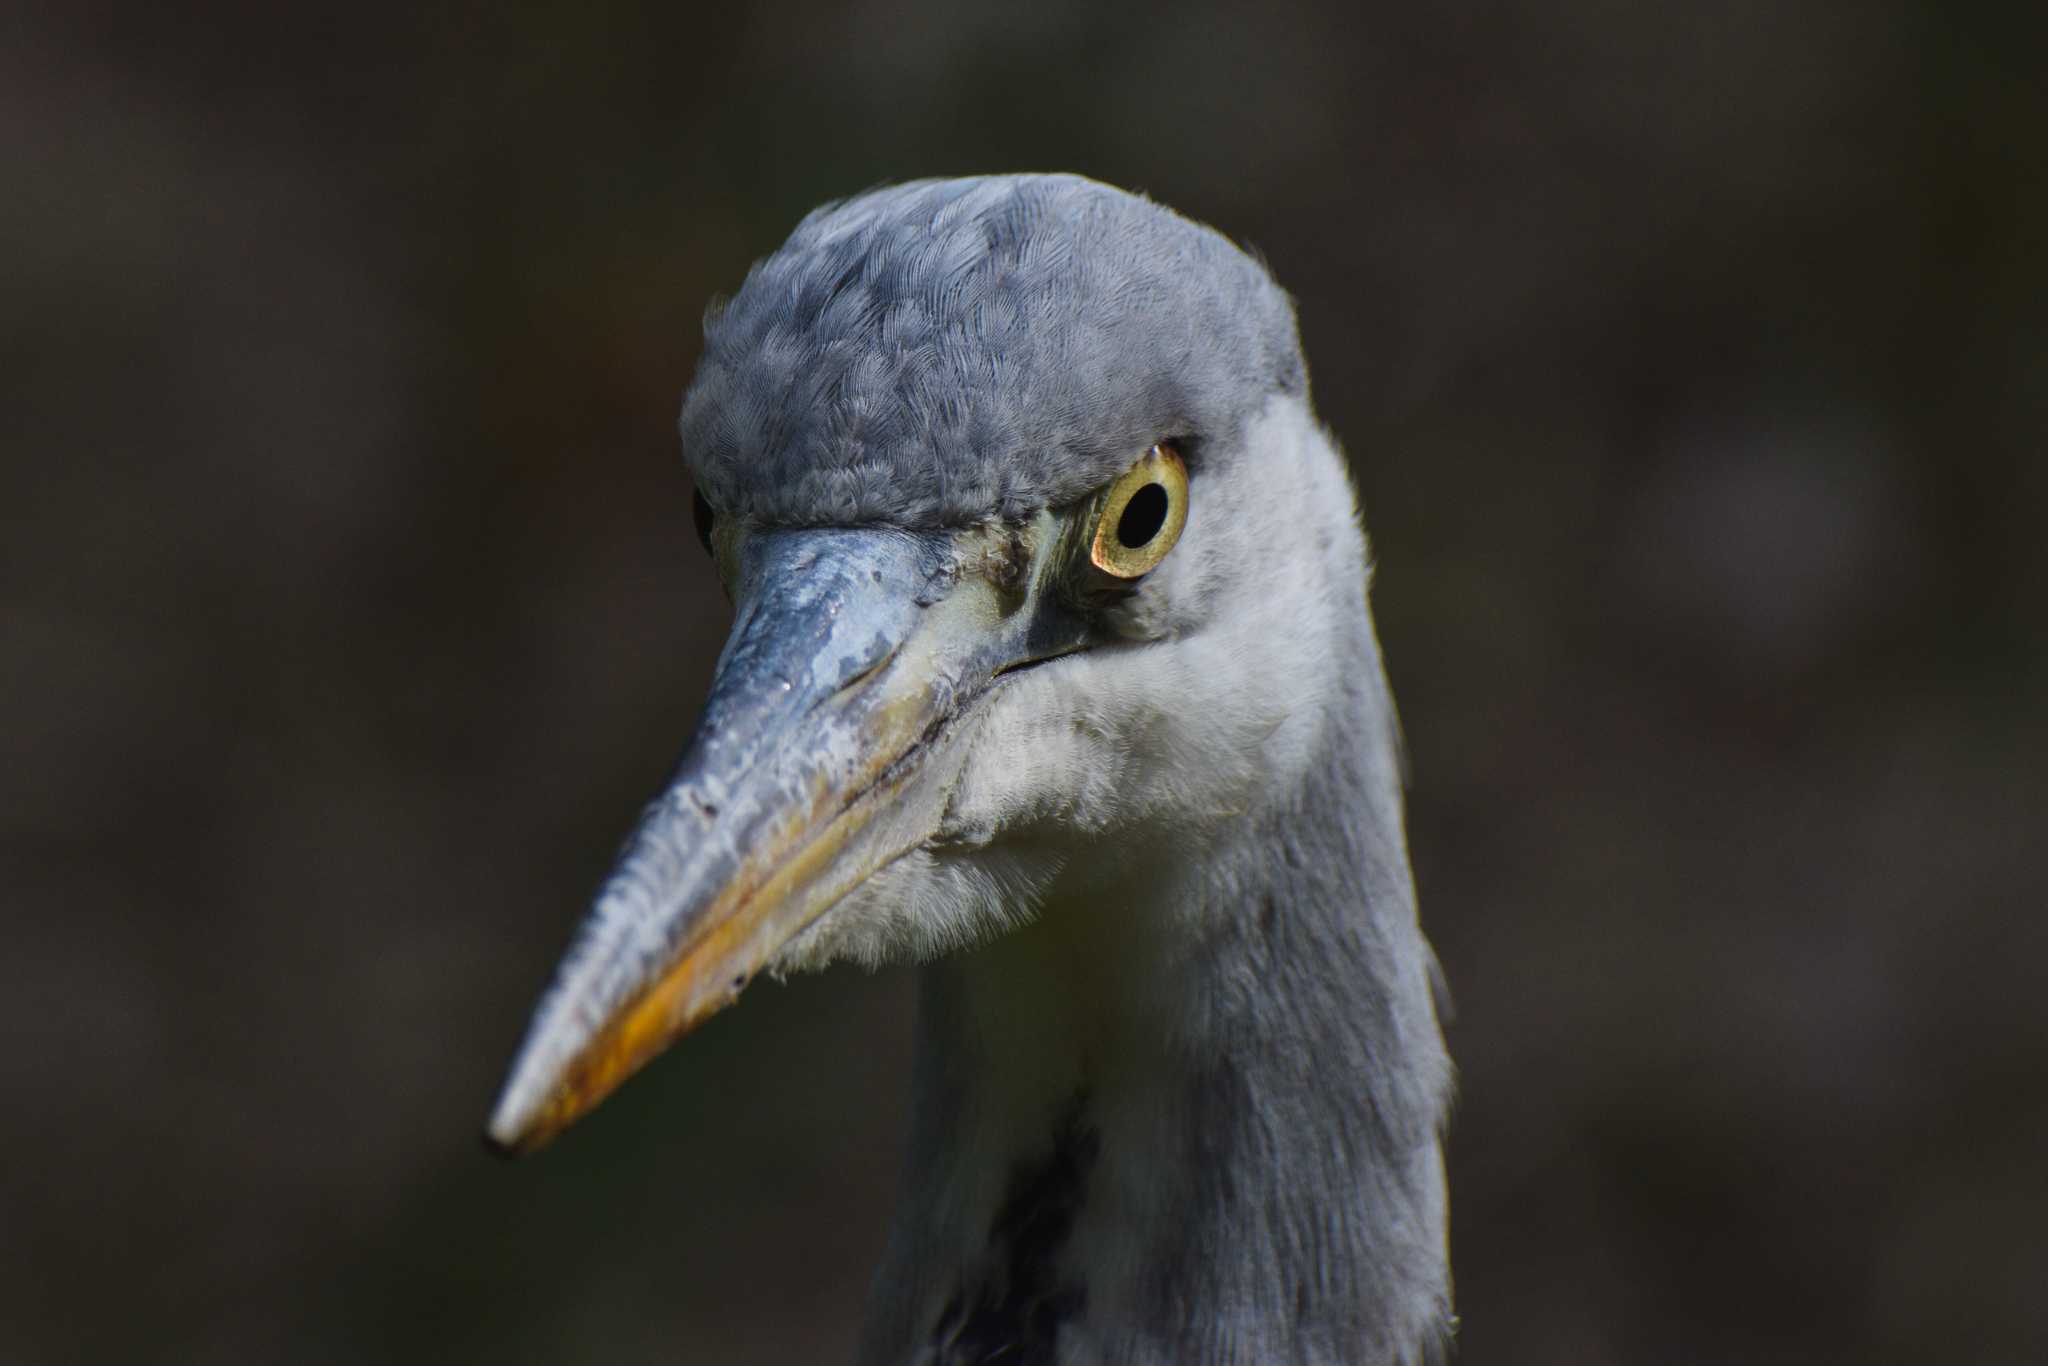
[1692, 360]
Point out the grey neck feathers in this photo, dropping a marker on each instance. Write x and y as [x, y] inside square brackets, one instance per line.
[1192, 1114]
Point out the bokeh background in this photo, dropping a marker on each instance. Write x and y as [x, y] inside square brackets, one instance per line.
[1693, 361]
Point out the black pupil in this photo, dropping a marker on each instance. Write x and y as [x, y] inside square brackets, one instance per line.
[1143, 516]
[700, 509]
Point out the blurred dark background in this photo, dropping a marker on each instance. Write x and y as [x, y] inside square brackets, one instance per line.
[1693, 361]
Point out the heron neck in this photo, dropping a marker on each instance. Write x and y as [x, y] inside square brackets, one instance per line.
[1192, 1113]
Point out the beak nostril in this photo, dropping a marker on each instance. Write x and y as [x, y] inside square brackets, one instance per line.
[855, 680]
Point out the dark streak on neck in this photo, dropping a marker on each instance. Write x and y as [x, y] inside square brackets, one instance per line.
[1013, 1315]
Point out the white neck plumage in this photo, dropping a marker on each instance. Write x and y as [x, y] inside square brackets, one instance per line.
[1191, 1114]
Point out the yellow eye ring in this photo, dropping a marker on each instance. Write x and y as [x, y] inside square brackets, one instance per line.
[1142, 515]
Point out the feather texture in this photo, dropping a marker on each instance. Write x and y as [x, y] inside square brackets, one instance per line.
[942, 352]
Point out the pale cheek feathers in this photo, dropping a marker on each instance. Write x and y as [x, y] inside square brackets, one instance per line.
[922, 906]
[1228, 702]
[1179, 734]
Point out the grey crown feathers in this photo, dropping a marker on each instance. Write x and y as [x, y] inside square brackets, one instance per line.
[948, 351]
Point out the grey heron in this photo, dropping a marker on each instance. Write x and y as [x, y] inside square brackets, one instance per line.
[1052, 669]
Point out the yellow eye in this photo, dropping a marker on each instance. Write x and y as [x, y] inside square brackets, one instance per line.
[1142, 515]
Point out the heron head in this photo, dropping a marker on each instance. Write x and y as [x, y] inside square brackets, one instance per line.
[1004, 481]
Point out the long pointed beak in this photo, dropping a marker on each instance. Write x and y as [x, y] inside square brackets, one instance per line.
[852, 654]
